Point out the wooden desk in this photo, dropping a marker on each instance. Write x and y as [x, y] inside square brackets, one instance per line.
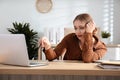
[60, 68]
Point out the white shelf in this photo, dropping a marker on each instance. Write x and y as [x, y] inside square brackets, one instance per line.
[113, 45]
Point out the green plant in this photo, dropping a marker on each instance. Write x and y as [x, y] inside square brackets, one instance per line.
[30, 36]
[105, 34]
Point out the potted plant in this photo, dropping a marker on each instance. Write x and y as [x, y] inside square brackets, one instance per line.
[105, 35]
[30, 36]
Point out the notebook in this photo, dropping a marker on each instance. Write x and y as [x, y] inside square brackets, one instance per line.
[13, 51]
[108, 64]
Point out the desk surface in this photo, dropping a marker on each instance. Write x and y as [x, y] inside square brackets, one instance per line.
[60, 68]
[108, 45]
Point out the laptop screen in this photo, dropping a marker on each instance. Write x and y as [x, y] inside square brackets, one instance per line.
[13, 49]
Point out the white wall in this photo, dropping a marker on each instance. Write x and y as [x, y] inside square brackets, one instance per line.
[104, 12]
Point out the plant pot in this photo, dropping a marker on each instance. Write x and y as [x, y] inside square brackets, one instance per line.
[105, 40]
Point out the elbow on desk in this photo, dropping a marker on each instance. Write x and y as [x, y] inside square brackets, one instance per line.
[50, 58]
[87, 60]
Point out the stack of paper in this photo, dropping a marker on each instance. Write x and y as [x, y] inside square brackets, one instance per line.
[110, 64]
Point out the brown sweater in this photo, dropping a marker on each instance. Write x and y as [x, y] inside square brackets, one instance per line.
[90, 52]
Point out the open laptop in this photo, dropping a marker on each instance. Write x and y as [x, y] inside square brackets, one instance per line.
[13, 50]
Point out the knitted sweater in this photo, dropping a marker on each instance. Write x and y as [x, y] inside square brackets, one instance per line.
[89, 53]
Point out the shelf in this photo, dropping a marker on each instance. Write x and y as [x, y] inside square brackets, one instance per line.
[113, 45]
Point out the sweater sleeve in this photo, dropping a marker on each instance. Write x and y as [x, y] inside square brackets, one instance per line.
[90, 54]
[52, 54]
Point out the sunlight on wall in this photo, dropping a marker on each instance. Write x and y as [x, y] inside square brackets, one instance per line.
[108, 17]
[104, 12]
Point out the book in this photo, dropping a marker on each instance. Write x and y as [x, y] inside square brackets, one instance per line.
[109, 65]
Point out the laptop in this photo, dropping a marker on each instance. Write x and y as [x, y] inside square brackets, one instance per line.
[13, 51]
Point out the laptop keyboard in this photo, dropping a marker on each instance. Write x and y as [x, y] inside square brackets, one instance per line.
[34, 63]
[39, 63]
